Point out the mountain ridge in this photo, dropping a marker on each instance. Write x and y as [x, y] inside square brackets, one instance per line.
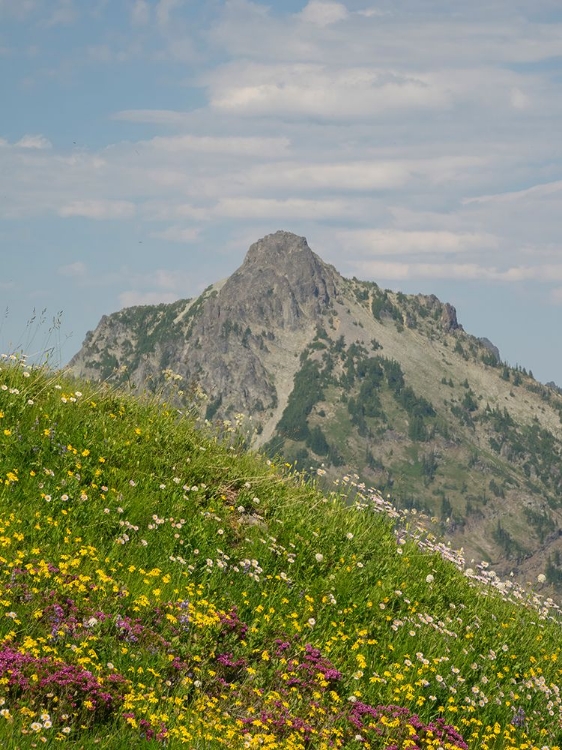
[343, 376]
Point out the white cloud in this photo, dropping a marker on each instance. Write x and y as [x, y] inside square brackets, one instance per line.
[322, 13]
[305, 89]
[158, 211]
[133, 298]
[519, 100]
[164, 10]
[64, 14]
[33, 142]
[76, 270]
[400, 242]
[456, 271]
[534, 192]
[98, 209]
[18, 9]
[292, 208]
[403, 271]
[153, 116]
[238, 146]
[556, 296]
[178, 234]
[347, 176]
[140, 13]
[370, 12]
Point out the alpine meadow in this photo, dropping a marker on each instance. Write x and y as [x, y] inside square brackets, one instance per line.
[163, 586]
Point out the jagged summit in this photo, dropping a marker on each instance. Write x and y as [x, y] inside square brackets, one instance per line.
[281, 282]
[277, 248]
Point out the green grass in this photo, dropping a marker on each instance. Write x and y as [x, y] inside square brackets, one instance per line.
[160, 586]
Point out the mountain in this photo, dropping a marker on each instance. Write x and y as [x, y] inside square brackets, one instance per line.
[342, 376]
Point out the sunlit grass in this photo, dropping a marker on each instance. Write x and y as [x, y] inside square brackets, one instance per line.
[160, 586]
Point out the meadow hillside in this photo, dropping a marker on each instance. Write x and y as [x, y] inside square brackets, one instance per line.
[342, 375]
[160, 586]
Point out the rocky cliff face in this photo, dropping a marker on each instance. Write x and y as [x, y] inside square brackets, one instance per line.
[342, 376]
[240, 340]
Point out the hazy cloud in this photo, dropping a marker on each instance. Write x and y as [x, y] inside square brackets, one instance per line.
[400, 242]
[132, 298]
[322, 13]
[305, 90]
[76, 270]
[153, 116]
[64, 14]
[292, 208]
[556, 296]
[18, 9]
[178, 234]
[456, 271]
[98, 209]
[140, 13]
[33, 142]
[164, 10]
[536, 191]
[239, 146]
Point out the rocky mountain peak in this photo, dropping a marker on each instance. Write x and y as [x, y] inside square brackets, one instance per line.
[277, 248]
[281, 281]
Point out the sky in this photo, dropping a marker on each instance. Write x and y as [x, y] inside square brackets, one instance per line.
[145, 144]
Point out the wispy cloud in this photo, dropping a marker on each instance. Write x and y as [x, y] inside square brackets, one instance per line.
[140, 13]
[402, 242]
[183, 235]
[132, 298]
[322, 13]
[77, 269]
[164, 10]
[306, 90]
[65, 13]
[290, 209]
[153, 116]
[33, 142]
[98, 209]
[535, 192]
[400, 271]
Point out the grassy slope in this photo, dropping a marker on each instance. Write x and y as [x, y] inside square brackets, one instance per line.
[158, 586]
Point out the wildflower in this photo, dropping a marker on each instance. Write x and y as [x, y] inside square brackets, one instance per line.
[319, 557]
[36, 726]
[429, 578]
[541, 578]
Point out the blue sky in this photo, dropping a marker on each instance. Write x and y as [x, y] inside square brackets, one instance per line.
[145, 144]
